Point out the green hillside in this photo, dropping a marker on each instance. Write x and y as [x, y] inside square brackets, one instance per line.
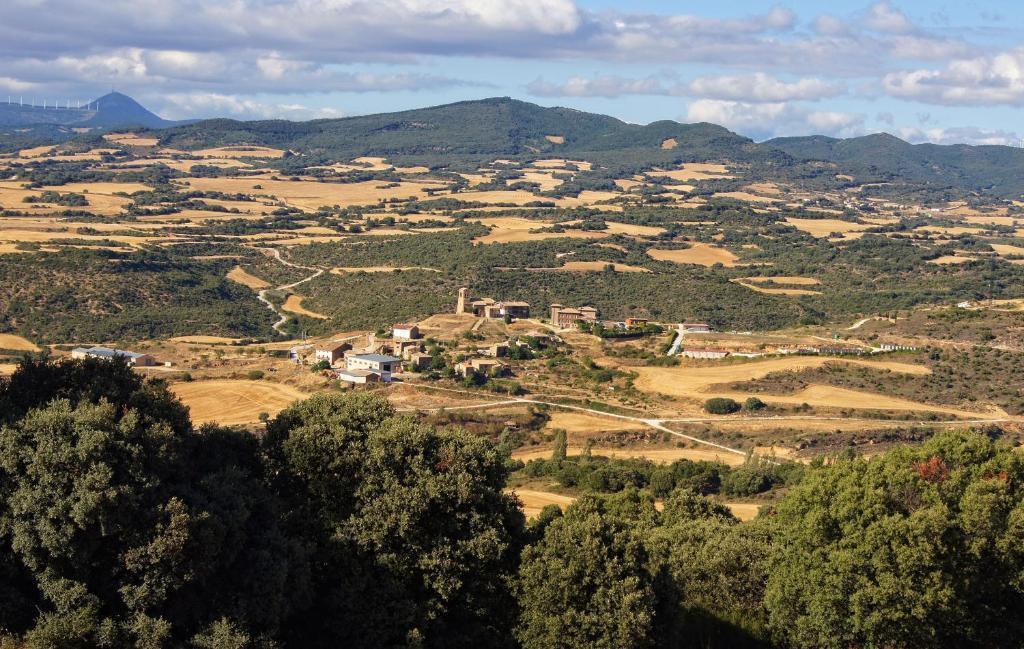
[485, 128]
[993, 170]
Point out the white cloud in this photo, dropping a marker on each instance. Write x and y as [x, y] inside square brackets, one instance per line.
[757, 87]
[959, 135]
[197, 105]
[602, 86]
[883, 17]
[760, 87]
[766, 120]
[987, 80]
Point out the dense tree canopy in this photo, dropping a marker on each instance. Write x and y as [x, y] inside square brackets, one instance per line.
[348, 524]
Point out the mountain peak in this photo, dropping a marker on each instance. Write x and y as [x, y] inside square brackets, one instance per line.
[116, 109]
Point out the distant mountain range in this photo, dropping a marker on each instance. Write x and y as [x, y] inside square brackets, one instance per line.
[467, 132]
[113, 110]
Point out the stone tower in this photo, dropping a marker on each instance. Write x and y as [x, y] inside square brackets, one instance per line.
[460, 306]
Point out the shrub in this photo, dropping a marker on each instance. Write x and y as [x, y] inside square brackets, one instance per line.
[721, 406]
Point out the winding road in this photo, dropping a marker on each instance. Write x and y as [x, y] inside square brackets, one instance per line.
[261, 296]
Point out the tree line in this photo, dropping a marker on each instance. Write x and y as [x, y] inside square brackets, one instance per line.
[347, 524]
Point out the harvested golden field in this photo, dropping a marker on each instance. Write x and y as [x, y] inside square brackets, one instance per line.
[203, 340]
[1004, 250]
[692, 171]
[534, 501]
[511, 229]
[633, 230]
[822, 228]
[17, 343]
[131, 139]
[6, 369]
[545, 179]
[775, 291]
[312, 195]
[946, 260]
[626, 184]
[783, 279]
[294, 305]
[701, 254]
[756, 284]
[238, 274]
[744, 511]
[991, 219]
[560, 163]
[698, 383]
[584, 423]
[659, 455]
[952, 232]
[232, 402]
[745, 196]
[596, 266]
[342, 270]
[242, 151]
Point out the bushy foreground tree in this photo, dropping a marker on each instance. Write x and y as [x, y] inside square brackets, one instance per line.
[922, 547]
[348, 525]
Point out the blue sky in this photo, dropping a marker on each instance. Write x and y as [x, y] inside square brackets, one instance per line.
[925, 71]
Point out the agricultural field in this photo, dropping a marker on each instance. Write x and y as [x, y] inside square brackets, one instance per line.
[229, 261]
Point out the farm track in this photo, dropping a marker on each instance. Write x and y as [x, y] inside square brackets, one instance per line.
[261, 296]
[660, 423]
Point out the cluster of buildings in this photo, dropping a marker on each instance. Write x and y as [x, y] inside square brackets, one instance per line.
[565, 317]
[486, 307]
[378, 360]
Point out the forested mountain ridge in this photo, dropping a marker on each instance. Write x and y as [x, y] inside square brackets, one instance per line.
[881, 157]
[501, 126]
[486, 128]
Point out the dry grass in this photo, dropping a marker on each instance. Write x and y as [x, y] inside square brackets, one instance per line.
[242, 151]
[534, 501]
[555, 139]
[582, 423]
[596, 266]
[17, 343]
[6, 369]
[342, 270]
[701, 254]
[744, 511]
[511, 229]
[1006, 250]
[659, 455]
[560, 163]
[753, 283]
[784, 279]
[294, 305]
[822, 228]
[692, 171]
[745, 196]
[669, 143]
[698, 383]
[232, 402]
[131, 139]
[238, 274]
[203, 340]
[946, 260]
[312, 195]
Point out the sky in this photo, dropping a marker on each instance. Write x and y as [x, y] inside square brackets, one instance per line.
[943, 72]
